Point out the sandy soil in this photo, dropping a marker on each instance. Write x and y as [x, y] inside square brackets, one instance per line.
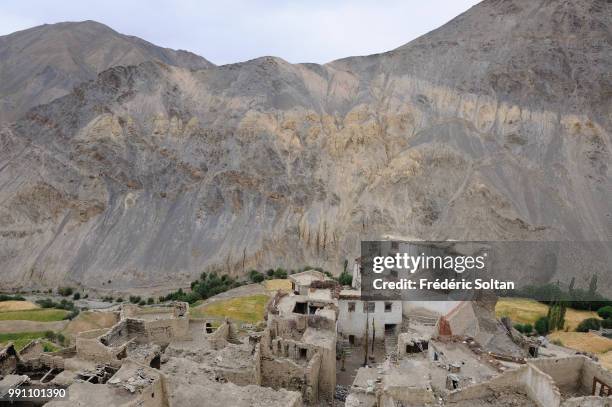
[278, 284]
[582, 341]
[16, 305]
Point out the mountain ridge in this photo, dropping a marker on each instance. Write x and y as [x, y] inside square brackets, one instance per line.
[150, 174]
[42, 63]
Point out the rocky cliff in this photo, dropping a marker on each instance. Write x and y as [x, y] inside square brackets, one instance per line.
[495, 126]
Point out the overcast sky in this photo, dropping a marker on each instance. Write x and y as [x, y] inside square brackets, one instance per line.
[225, 31]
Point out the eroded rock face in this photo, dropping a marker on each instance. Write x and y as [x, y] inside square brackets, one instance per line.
[495, 126]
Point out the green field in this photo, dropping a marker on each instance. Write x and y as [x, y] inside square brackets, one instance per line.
[38, 315]
[20, 339]
[249, 309]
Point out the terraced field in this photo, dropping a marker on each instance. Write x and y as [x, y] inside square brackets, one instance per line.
[37, 314]
[250, 309]
[20, 339]
[524, 310]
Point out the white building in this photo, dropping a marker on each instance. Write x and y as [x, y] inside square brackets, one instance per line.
[355, 313]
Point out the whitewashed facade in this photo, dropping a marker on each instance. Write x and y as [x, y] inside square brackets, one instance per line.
[387, 315]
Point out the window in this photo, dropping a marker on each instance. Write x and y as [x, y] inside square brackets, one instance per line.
[388, 306]
[369, 306]
[351, 307]
[300, 308]
[303, 353]
[395, 245]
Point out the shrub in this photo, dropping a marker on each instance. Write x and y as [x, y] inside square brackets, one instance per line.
[345, 278]
[65, 291]
[209, 285]
[73, 314]
[4, 297]
[270, 273]
[63, 304]
[606, 323]
[605, 312]
[142, 302]
[280, 273]
[524, 328]
[256, 277]
[588, 324]
[541, 326]
[76, 296]
[135, 299]
[61, 339]
[151, 300]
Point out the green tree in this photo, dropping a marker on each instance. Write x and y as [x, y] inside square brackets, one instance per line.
[542, 326]
[65, 291]
[589, 324]
[556, 315]
[605, 312]
[256, 277]
[593, 284]
[280, 273]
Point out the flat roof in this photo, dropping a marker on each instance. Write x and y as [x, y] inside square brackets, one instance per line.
[308, 276]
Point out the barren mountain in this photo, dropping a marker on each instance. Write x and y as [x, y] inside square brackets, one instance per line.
[43, 63]
[495, 126]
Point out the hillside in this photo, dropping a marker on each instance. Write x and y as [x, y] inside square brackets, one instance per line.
[43, 63]
[495, 126]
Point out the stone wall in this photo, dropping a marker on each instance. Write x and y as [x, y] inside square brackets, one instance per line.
[218, 338]
[574, 373]
[90, 347]
[565, 372]
[283, 373]
[311, 392]
[590, 401]
[8, 360]
[538, 385]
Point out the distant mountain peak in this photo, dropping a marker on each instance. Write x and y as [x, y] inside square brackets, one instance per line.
[44, 62]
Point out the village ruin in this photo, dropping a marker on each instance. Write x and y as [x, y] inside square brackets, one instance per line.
[321, 346]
